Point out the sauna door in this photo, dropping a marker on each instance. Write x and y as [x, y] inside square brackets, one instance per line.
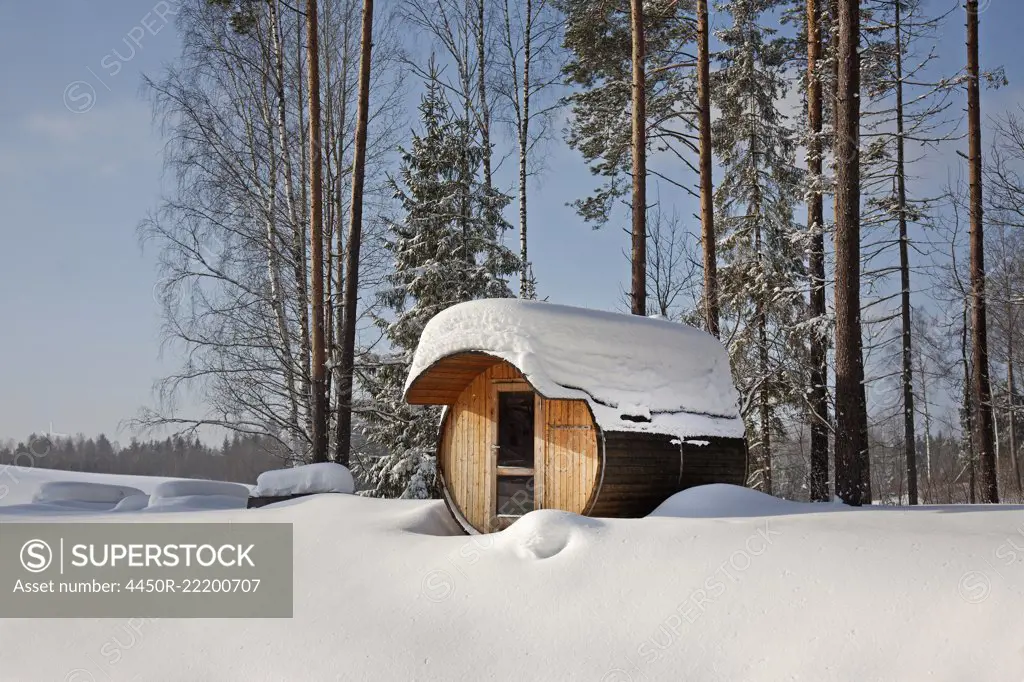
[514, 455]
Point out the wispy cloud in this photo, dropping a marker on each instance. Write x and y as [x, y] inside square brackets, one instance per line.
[104, 141]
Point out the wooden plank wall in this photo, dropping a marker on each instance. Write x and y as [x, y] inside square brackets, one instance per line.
[567, 457]
[465, 449]
[571, 460]
[722, 460]
[642, 471]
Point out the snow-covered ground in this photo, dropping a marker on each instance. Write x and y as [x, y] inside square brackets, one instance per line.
[724, 585]
[19, 485]
[34, 492]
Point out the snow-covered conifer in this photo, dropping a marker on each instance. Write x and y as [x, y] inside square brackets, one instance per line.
[446, 249]
[760, 257]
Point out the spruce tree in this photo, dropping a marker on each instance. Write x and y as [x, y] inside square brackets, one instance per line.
[446, 249]
[760, 261]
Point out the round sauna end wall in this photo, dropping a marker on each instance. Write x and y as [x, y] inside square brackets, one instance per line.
[505, 450]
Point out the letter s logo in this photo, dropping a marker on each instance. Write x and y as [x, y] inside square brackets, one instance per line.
[36, 556]
[79, 97]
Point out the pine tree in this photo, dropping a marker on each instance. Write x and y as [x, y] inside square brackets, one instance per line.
[598, 40]
[903, 112]
[851, 449]
[817, 380]
[761, 268]
[354, 242]
[706, 152]
[981, 389]
[446, 250]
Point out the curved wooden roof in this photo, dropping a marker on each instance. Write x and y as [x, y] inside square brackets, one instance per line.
[443, 382]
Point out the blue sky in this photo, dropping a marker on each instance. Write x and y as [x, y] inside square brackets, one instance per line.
[80, 166]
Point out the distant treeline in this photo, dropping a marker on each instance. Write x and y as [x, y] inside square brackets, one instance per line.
[239, 458]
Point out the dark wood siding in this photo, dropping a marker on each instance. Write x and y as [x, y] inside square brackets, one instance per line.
[722, 460]
[641, 471]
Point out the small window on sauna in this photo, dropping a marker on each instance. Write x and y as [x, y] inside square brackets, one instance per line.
[515, 495]
[515, 429]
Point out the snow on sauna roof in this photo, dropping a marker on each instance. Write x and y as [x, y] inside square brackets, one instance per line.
[638, 374]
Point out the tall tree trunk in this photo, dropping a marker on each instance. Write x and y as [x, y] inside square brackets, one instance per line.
[818, 392]
[485, 109]
[639, 246]
[329, 217]
[995, 433]
[707, 189]
[1012, 402]
[851, 408]
[339, 311]
[355, 226]
[316, 236]
[833, 32]
[527, 287]
[298, 238]
[764, 409]
[276, 295]
[981, 392]
[967, 419]
[909, 432]
[927, 430]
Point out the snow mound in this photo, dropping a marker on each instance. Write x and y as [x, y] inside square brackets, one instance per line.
[78, 491]
[638, 374]
[193, 488]
[908, 594]
[132, 503]
[720, 500]
[18, 485]
[432, 519]
[323, 477]
[48, 508]
[197, 503]
[545, 533]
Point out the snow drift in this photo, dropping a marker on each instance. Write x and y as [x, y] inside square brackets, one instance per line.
[206, 501]
[196, 487]
[19, 485]
[638, 374]
[78, 491]
[720, 500]
[132, 503]
[322, 477]
[381, 593]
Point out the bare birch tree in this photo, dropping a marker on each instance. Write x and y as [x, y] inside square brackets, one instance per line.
[528, 68]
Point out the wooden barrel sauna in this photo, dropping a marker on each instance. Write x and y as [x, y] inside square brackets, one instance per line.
[511, 441]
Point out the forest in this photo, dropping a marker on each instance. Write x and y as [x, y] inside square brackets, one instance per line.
[812, 181]
[237, 458]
